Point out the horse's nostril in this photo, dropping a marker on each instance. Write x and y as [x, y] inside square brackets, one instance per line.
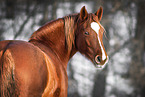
[98, 59]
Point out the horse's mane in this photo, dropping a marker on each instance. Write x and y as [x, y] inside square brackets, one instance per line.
[68, 24]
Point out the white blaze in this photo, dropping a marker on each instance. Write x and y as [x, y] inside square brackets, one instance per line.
[95, 26]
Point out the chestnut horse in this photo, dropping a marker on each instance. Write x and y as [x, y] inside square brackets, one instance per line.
[38, 68]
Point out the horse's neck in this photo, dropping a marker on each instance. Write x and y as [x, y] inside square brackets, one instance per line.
[52, 37]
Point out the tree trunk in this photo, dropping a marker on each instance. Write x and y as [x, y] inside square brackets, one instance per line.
[100, 84]
[45, 13]
[138, 51]
[10, 8]
[54, 9]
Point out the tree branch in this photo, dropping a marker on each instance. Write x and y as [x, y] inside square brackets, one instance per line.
[25, 22]
[121, 47]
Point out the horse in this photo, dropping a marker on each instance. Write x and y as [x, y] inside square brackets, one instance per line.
[38, 68]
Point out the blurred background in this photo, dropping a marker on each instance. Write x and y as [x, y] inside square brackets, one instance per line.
[124, 21]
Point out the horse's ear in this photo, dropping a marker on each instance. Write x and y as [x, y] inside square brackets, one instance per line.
[83, 13]
[99, 13]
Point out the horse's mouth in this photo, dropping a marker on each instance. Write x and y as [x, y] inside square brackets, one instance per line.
[99, 65]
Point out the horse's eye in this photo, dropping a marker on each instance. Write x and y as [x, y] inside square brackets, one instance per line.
[87, 33]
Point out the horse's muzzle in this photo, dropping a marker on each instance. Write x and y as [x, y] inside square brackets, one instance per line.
[99, 63]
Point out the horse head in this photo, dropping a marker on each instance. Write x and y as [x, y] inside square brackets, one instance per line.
[89, 37]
